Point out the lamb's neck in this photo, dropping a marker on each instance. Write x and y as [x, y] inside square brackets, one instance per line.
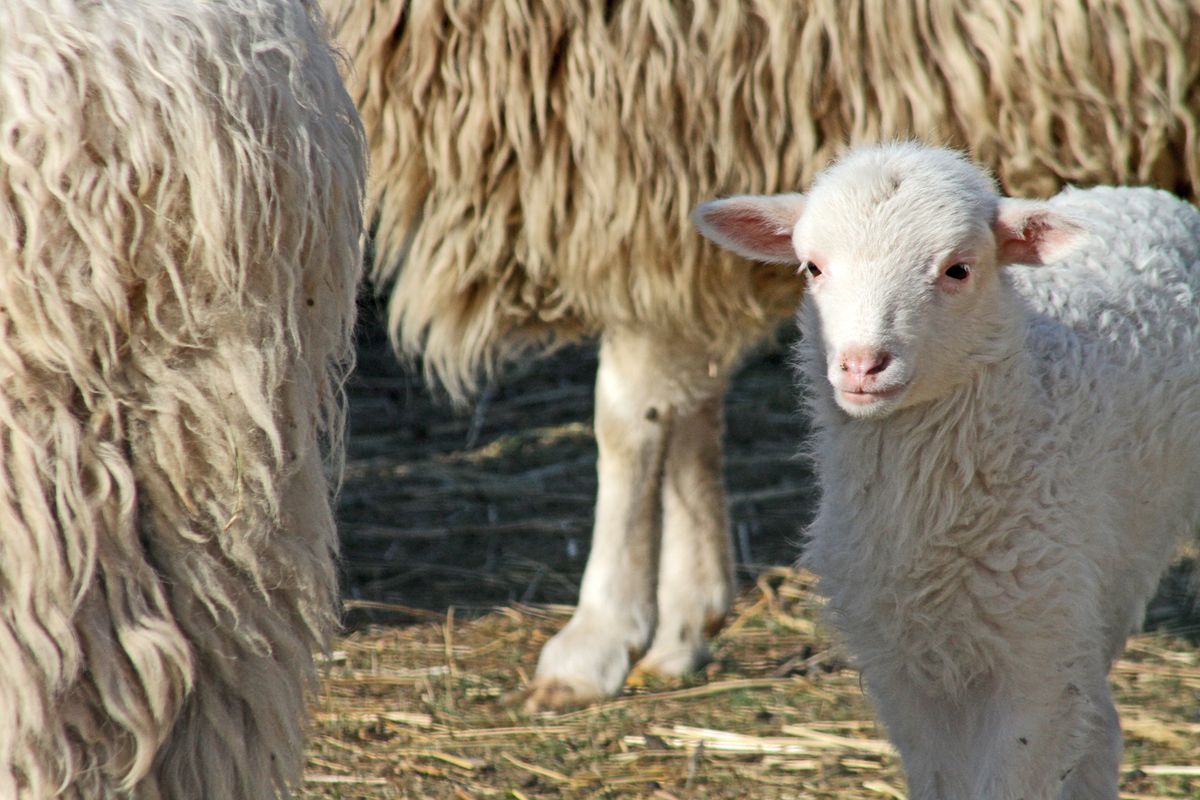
[922, 468]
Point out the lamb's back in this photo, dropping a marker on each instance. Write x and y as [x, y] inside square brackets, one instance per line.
[1115, 340]
[1127, 295]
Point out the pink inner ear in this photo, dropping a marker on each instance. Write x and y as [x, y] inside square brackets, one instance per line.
[756, 232]
[758, 227]
[1032, 235]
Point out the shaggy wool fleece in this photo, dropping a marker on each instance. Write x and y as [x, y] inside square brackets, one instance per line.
[180, 215]
[535, 161]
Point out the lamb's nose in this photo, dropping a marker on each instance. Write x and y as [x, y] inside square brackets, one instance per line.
[863, 361]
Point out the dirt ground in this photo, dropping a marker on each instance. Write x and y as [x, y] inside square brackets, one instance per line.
[465, 534]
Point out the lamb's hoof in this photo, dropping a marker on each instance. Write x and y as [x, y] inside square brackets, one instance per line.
[555, 694]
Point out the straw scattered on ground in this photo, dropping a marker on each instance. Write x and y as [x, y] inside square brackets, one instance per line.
[417, 711]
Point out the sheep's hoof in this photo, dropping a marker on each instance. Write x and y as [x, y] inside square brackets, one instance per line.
[554, 694]
[673, 663]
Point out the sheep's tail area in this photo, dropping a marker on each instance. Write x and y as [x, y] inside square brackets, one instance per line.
[535, 161]
[180, 200]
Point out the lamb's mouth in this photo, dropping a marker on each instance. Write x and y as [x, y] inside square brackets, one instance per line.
[863, 397]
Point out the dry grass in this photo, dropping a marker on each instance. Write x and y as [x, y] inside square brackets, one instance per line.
[416, 711]
[465, 536]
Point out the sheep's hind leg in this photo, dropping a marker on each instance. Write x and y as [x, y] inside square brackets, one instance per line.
[589, 658]
[695, 574]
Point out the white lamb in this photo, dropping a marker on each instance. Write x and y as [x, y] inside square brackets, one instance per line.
[1007, 456]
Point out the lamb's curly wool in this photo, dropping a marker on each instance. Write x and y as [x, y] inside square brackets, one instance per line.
[180, 213]
[535, 162]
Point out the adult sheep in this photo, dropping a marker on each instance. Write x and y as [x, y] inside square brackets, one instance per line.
[535, 164]
[1006, 397]
[180, 213]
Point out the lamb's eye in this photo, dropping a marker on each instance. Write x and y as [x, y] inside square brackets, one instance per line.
[958, 272]
[812, 269]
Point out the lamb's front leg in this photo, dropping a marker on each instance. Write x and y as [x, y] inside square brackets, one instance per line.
[589, 658]
[1040, 737]
[930, 730]
[695, 576]
[1096, 776]
[1049, 737]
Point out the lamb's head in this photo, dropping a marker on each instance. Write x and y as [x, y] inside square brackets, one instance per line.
[901, 247]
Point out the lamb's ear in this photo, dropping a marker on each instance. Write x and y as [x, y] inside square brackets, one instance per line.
[1031, 232]
[754, 226]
